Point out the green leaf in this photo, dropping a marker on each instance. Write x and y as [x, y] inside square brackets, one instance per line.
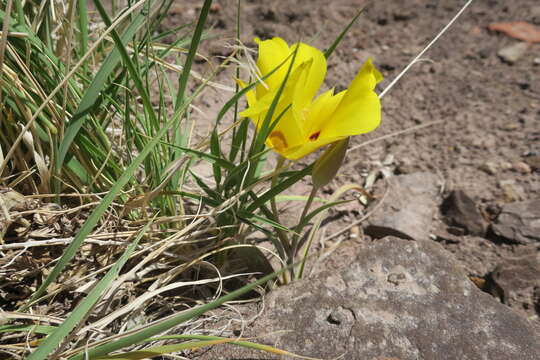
[298, 228]
[204, 341]
[340, 37]
[155, 351]
[210, 192]
[216, 151]
[184, 77]
[280, 187]
[92, 92]
[223, 163]
[239, 139]
[262, 219]
[38, 329]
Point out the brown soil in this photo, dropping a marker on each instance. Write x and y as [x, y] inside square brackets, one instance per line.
[486, 139]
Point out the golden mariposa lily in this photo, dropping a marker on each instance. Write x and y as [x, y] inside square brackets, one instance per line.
[310, 124]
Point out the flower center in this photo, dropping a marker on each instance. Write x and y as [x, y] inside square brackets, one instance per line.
[278, 141]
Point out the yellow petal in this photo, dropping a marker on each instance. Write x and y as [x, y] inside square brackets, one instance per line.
[360, 109]
[356, 117]
[262, 104]
[272, 53]
[321, 111]
[312, 78]
[364, 82]
[286, 135]
[307, 147]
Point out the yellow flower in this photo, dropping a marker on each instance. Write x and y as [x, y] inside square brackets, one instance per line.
[310, 124]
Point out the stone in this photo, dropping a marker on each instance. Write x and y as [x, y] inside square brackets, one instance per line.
[535, 14]
[513, 53]
[512, 192]
[519, 222]
[408, 208]
[534, 162]
[398, 299]
[522, 167]
[505, 165]
[518, 277]
[510, 126]
[460, 210]
[489, 167]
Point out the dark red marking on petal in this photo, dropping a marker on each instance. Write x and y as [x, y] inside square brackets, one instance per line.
[315, 136]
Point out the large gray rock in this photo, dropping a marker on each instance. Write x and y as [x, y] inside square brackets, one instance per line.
[399, 299]
[519, 222]
[408, 208]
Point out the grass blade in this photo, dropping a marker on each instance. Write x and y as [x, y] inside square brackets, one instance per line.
[204, 340]
[280, 187]
[184, 77]
[216, 151]
[340, 37]
[93, 91]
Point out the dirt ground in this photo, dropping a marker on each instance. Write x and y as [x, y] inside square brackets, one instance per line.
[484, 112]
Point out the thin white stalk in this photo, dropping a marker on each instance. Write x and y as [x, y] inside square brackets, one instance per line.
[417, 58]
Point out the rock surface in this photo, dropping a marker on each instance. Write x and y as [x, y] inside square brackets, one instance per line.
[399, 299]
[518, 277]
[408, 207]
[461, 211]
[519, 222]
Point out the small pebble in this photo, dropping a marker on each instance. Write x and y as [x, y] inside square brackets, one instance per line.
[512, 192]
[534, 162]
[511, 54]
[522, 168]
[489, 167]
[511, 126]
[505, 165]
[355, 232]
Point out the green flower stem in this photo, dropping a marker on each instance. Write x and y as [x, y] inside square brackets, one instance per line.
[309, 201]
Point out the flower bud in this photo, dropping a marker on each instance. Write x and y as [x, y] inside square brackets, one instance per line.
[327, 166]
